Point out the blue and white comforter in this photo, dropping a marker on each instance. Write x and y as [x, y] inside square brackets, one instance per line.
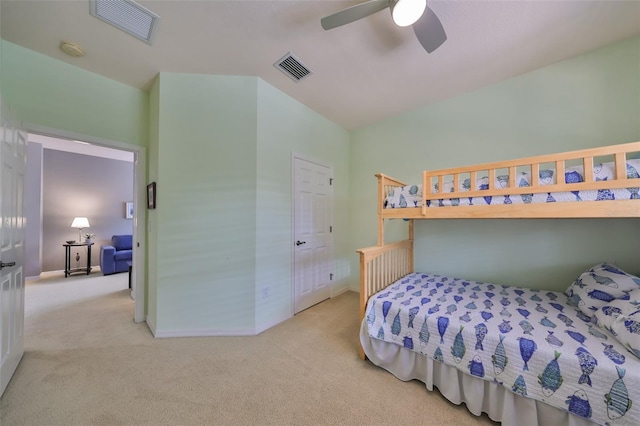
[530, 341]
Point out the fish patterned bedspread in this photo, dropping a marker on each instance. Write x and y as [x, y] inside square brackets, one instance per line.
[533, 342]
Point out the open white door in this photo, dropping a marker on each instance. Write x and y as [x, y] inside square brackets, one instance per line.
[13, 160]
[313, 238]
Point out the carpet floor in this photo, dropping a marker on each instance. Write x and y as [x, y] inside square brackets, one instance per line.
[87, 363]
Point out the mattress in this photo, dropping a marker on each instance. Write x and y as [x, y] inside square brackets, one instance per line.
[411, 195]
[527, 342]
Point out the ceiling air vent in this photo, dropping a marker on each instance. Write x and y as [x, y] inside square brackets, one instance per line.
[291, 66]
[126, 15]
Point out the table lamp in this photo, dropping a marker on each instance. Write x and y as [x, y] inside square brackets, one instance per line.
[80, 223]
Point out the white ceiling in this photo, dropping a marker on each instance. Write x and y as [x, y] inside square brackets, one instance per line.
[363, 72]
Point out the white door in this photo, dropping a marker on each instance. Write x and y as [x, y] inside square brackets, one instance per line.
[13, 160]
[312, 235]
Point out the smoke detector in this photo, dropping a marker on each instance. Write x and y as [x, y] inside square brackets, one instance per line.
[71, 49]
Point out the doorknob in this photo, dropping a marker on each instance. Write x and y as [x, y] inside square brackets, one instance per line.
[299, 243]
[2, 264]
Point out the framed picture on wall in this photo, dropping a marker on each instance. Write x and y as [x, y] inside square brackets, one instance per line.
[128, 210]
[151, 195]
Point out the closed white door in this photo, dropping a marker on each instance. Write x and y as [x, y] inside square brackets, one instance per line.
[313, 233]
[13, 160]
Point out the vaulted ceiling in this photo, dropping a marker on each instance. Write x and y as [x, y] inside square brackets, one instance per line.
[362, 72]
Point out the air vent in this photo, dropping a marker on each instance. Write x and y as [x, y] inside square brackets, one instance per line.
[126, 15]
[291, 66]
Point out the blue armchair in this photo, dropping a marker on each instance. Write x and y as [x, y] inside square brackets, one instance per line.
[115, 258]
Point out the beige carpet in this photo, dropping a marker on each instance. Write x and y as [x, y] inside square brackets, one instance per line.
[87, 363]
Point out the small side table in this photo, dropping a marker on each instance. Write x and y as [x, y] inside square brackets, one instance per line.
[67, 258]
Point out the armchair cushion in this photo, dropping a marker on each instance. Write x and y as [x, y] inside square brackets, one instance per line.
[123, 254]
[122, 242]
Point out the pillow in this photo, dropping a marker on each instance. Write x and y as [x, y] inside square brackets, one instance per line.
[601, 285]
[573, 175]
[524, 179]
[447, 187]
[633, 169]
[604, 171]
[482, 183]
[404, 196]
[622, 319]
[546, 177]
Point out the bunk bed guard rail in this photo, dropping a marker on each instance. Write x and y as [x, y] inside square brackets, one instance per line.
[509, 170]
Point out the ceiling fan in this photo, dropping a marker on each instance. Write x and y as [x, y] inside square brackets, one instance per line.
[426, 25]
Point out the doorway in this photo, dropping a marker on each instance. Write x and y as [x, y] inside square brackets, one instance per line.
[312, 232]
[139, 211]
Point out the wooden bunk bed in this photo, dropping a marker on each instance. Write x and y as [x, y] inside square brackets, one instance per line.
[389, 268]
[509, 171]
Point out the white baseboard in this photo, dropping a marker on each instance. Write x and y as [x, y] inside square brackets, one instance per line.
[266, 326]
[213, 332]
[151, 325]
[335, 293]
[220, 333]
[201, 333]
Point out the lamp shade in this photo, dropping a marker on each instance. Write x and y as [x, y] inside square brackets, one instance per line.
[80, 222]
[407, 12]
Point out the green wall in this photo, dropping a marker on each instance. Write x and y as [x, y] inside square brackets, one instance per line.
[51, 93]
[220, 151]
[223, 224]
[284, 127]
[151, 298]
[206, 217]
[586, 101]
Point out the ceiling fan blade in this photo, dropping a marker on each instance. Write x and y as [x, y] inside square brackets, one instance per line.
[353, 13]
[429, 31]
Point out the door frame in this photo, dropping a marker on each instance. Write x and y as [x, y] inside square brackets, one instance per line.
[140, 204]
[294, 156]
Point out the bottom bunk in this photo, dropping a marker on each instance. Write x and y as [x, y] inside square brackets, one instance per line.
[479, 396]
[523, 356]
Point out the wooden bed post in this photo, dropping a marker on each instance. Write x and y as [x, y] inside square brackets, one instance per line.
[381, 197]
[411, 229]
[364, 296]
[411, 245]
[381, 266]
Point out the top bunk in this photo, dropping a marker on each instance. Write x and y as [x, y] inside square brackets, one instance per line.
[597, 182]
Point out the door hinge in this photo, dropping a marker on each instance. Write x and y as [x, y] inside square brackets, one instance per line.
[331, 229]
[330, 277]
[330, 181]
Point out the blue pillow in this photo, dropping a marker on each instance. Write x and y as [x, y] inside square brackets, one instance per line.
[622, 319]
[600, 286]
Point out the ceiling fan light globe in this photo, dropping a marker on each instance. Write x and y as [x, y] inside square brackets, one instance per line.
[407, 12]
